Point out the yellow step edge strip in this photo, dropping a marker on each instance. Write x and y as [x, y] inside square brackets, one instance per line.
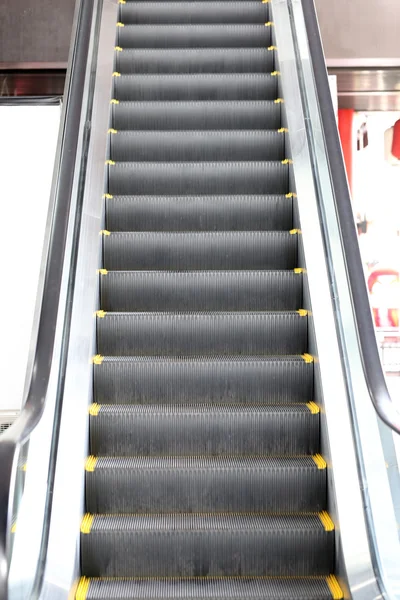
[87, 523]
[14, 527]
[112, 131]
[114, 101]
[94, 409]
[100, 314]
[107, 196]
[287, 161]
[279, 101]
[265, 1]
[105, 232]
[118, 49]
[314, 408]
[334, 587]
[121, 1]
[275, 73]
[298, 270]
[98, 359]
[271, 48]
[294, 231]
[82, 589]
[90, 464]
[110, 162]
[119, 24]
[307, 358]
[326, 521]
[319, 461]
[291, 195]
[269, 24]
[102, 271]
[116, 74]
[284, 130]
[302, 312]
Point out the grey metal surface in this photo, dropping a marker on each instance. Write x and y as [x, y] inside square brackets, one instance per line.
[194, 12]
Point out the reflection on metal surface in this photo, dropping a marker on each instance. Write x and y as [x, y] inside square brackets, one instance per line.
[32, 83]
[368, 89]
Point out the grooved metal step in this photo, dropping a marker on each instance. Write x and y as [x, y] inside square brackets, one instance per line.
[201, 290]
[197, 334]
[204, 430]
[197, 115]
[194, 12]
[194, 36]
[206, 545]
[197, 146]
[179, 87]
[204, 484]
[195, 60]
[269, 380]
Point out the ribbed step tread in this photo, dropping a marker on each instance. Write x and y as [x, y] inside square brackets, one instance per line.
[201, 430]
[313, 588]
[196, 179]
[199, 87]
[170, 116]
[271, 380]
[204, 484]
[195, 60]
[196, 334]
[201, 290]
[194, 12]
[124, 251]
[199, 213]
[197, 146]
[194, 36]
[206, 545]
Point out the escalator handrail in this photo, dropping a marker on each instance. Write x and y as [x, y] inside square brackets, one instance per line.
[372, 368]
[60, 202]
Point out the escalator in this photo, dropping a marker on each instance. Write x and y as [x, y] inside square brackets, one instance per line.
[205, 477]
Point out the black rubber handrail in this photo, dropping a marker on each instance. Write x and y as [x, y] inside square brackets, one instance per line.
[18, 433]
[373, 372]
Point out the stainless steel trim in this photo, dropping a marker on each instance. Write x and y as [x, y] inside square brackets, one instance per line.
[363, 62]
[24, 66]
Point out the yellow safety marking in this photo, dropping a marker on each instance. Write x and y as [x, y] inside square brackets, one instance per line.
[14, 527]
[82, 589]
[287, 161]
[283, 130]
[118, 49]
[326, 521]
[98, 359]
[275, 73]
[110, 162]
[334, 587]
[100, 313]
[90, 464]
[319, 461]
[269, 24]
[102, 271]
[114, 101]
[270, 48]
[105, 232]
[291, 195]
[94, 409]
[121, 1]
[24, 467]
[112, 131]
[279, 101]
[294, 231]
[313, 408]
[307, 358]
[116, 74]
[87, 523]
[265, 1]
[302, 312]
[298, 270]
[108, 196]
[119, 24]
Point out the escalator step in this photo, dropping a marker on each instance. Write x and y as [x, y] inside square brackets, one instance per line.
[199, 213]
[194, 60]
[221, 178]
[194, 12]
[217, 250]
[197, 87]
[271, 380]
[206, 545]
[201, 430]
[196, 334]
[252, 588]
[197, 146]
[194, 36]
[201, 290]
[170, 116]
[204, 485]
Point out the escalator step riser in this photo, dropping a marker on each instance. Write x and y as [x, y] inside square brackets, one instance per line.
[218, 334]
[210, 589]
[203, 430]
[198, 60]
[201, 291]
[193, 12]
[163, 381]
[216, 87]
[171, 116]
[194, 36]
[205, 485]
[197, 146]
[199, 213]
[193, 545]
[126, 251]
